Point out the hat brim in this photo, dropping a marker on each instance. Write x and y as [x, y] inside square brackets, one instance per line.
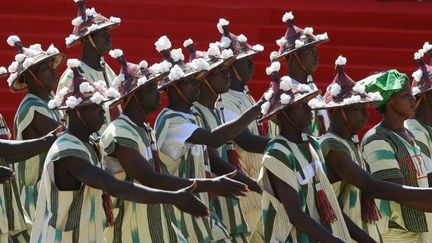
[167, 83]
[17, 87]
[279, 106]
[86, 102]
[107, 25]
[283, 55]
[249, 53]
[334, 105]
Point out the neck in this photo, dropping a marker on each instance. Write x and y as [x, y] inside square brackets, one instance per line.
[393, 121]
[91, 57]
[340, 129]
[135, 114]
[207, 98]
[291, 133]
[39, 92]
[176, 103]
[79, 130]
[424, 113]
[297, 73]
[236, 84]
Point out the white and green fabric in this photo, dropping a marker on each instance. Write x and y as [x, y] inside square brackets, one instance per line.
[422, 134]
[30, 171]
[229, 210]
[347, 194]
[135, 222]
[389, 156]
[239, 103]
[68, 216]
[185, 160]
[289, 162]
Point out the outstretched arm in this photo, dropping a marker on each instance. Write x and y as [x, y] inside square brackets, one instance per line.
[251, 143]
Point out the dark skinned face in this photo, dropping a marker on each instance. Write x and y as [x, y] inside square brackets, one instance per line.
[149, 97]
[357, 116]
[46, 73]
[245, 68]
[219, 80]
[310, 58]
[190, 88]
[300, 114]
[102, 40]
[403, 102]
[93, 115]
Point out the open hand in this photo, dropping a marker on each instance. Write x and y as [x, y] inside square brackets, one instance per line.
[227, 187]
[187, 202]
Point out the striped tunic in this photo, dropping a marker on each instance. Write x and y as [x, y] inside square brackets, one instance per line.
[422, 135]
[239, 103]
[228, 209]
[29, 172]
[288, 162]
[12, 216]
[347, 194]
[68, 216]
[389, 156]
[135, 222]
[187, 161]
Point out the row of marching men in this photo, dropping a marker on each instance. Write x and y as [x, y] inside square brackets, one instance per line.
[208, 171]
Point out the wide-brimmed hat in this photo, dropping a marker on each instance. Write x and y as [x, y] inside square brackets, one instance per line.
[215, 57]
[296, 38]
[80, 91]
[26, 58]
[343, 91]
[238, 44]
[422, 82]
[87, 22]
[132, 76]
[428, 49]
[284, 92]
[179, 70]
[385, 83]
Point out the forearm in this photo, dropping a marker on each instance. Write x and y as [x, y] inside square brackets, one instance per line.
[138, 193]
[15, 151]
[252, 143]
[356, 233]
[164, 182]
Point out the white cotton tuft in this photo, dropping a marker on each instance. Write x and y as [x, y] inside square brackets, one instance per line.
[268, 95]
[90, 12]
[13, 67]
[142, 81]
[176, 73]
[274, 67]
[52, 50]
[308, 31]
[97, 98]
[112, 93]
[281, 42]
[28, 62]
[299, 43]
[116, 53]
[416, 91]
[225, 42]
[118, 80]
[93, 27]
[258, 48]
[143, 64]
[115, 20]
[77, 21]
[12, 39]
[359, 88]
[222, 22]
[36, 47]
[340, 61]
[303, 88]
[11, 78]
[3, 71]
[419, 54]
[417, 75]
[177, 55]
[163, 43]
[85, 87]
[73, 63]
[213, 50]
[427, 47]
[375, 96]
[287, 16]
[273, 55]
[165, 67]
[355, 99]
[20, 58]
[285, 83]
[334, 89]
[52, 104]
[187, 42]
[265, 108]
[226, 54]
[100, 84]
[285, 99]
[71, 38]
[321, 37]
[242, 38]
[73, 102]
[62, 92]
[316, 104]
[200, 64]
[76, 1]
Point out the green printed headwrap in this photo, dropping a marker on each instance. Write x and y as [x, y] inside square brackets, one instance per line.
[386, 83]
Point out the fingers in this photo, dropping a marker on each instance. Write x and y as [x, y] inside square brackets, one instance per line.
[195, 207]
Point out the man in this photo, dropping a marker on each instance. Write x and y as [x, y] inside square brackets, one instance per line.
[34, 71]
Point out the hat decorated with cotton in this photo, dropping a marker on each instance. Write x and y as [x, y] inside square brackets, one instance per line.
[238, 44]
[428, 49]
[174, 58]
[284, 92]
[26, 58]
[132, 77]
[211, 59]
[422, 82]
[343, 91]
[385, 83]
[296, 38]
[80, 92]
[87, 22]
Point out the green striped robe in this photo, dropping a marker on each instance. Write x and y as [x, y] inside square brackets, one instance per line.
[68, 216]
[287, 161]
[347, 194]
[191, 164]
[390, 157]
[29, 172]
[228, 209]
[135, 222]
[422, 135]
